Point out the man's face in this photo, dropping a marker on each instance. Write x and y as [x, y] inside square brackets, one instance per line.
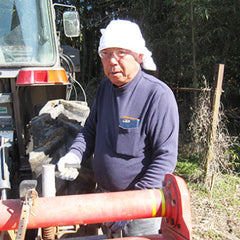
[120, 65]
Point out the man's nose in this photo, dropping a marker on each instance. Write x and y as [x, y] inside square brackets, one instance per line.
[114, 58]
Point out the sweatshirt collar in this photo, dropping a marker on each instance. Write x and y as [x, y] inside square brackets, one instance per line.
[130, 85]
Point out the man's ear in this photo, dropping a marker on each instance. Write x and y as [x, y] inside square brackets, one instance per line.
[140, 58]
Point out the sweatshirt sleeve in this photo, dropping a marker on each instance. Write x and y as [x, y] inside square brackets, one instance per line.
[163, 128]
[83, 144]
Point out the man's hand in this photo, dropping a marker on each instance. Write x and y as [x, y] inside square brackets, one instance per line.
[68, 166]
[116, 226]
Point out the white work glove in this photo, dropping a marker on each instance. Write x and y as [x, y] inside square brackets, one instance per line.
[68, 166]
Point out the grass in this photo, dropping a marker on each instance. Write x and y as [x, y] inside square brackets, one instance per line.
[215, 214]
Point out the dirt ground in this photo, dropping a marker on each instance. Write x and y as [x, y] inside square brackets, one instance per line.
[216, 218]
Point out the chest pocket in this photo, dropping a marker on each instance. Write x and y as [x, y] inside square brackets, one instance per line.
[128, 142]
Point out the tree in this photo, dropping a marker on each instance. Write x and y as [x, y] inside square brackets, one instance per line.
[187, 38]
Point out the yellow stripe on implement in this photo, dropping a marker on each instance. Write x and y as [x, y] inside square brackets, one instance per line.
[154, 204]
[163, 203]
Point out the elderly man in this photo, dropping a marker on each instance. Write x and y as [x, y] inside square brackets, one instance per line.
[133, 125]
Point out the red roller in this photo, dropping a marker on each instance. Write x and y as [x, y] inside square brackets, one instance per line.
[83, 209]
[171, 202]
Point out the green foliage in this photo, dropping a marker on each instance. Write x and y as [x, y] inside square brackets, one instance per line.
[234, 154]
[189, 167]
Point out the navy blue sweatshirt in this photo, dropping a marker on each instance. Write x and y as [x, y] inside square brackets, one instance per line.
[133, 132]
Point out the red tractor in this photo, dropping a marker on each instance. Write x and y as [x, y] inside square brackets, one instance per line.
[34, 71]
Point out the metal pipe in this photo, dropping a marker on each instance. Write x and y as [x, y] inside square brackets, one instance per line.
[84, 209]
[4, 173]
[4, 194]
[48, 180]
[48, 190]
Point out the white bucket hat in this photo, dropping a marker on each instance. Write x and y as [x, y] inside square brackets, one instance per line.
[126, 34]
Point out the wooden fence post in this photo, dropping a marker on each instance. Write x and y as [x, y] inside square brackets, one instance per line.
[209, 172]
